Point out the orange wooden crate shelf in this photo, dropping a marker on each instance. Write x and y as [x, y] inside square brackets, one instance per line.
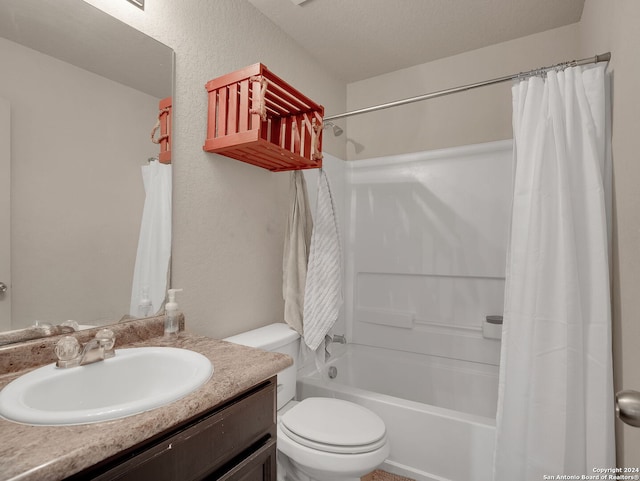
[256, 117]
[165, 130]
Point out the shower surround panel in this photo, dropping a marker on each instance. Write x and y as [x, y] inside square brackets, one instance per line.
[426, 247]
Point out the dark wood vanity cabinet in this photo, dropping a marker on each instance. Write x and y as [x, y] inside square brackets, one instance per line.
[232, 442]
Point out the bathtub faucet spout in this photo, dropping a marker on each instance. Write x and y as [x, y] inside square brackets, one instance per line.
[339, 338]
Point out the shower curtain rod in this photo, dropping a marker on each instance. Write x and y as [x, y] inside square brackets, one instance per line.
[605, 57]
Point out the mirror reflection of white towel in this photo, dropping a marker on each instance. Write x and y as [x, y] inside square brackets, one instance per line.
[323, 290]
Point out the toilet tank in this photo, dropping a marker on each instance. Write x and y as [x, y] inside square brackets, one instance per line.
[276, 337]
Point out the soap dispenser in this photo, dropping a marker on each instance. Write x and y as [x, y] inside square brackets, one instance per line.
[144, 307]
[171, 315]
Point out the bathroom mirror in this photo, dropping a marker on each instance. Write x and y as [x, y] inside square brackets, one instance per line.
[79, 92]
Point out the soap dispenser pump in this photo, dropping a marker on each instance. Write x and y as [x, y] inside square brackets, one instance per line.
[171, 315]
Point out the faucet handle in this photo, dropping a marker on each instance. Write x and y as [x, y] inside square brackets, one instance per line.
[67, 348]
[107, 338]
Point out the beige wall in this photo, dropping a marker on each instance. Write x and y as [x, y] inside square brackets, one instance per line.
[615, 27]
[480, 115]
[77, 143]
[229, 217]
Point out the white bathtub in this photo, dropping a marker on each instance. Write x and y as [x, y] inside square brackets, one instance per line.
[439, 413]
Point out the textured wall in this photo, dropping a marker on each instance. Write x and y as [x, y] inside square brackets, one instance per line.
[613, 26]
[229, 217]
[476, 116]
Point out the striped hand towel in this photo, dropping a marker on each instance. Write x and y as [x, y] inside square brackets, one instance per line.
[323, 289]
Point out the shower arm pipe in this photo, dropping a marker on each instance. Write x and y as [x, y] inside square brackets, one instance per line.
[605, 57]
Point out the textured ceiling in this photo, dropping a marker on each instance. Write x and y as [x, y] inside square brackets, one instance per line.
[358, 39]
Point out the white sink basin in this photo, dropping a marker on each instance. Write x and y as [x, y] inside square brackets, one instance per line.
[135, 380]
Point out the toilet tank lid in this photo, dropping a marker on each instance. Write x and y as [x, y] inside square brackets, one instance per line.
[269, 337]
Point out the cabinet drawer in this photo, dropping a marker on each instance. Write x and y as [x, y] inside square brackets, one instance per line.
[236, 431]
[260, 466]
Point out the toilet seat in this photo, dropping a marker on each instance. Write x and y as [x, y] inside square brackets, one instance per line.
[334, 426]
[332, 448]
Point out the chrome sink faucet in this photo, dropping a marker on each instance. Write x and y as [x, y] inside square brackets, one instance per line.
[97, 349]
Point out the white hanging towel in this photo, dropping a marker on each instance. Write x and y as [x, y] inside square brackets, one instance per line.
[323, 291]
[296, 251]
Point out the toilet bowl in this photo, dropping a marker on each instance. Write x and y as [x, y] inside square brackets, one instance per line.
[325, 438]
[318, 438]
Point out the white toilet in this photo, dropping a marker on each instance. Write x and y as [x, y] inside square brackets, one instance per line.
[318, 438]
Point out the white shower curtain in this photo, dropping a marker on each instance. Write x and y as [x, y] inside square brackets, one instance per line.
[555, 407]
[154, 243]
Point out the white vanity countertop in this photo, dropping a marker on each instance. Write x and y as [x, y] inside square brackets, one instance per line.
[43, 453]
